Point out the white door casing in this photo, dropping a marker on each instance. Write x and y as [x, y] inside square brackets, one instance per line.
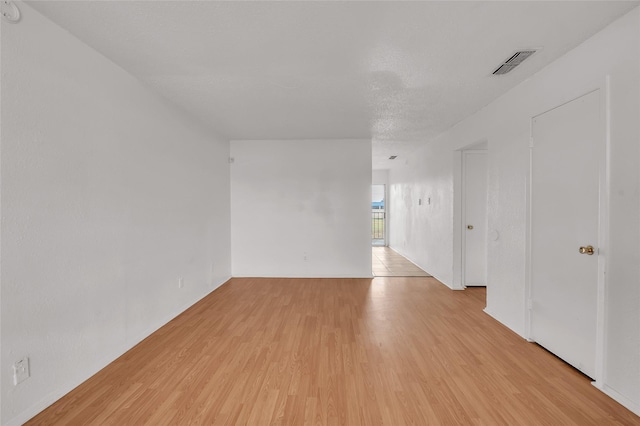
[474, 218]
[567, 143]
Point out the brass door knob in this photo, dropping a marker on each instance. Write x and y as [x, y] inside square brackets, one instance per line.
[469, 226]
[587, 250]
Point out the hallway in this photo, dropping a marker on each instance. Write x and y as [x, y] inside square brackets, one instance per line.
[388, 263]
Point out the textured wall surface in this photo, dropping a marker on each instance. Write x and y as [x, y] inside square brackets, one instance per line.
[613, 53]
[109, 195]
[422, 232]
[380, 177]
[301, 208]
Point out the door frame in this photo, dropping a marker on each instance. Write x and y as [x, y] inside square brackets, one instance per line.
[385, 216]
[458, 212]
[603, 227]
[463, 207]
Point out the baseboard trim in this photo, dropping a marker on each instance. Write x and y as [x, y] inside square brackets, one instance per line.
[424, 269]
[51, 398]
[632, 406]
[495, 317]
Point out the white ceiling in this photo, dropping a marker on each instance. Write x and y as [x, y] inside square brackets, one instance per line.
[396, 72]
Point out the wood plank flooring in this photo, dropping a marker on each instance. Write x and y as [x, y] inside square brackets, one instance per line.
[387, 351]
[387, 263]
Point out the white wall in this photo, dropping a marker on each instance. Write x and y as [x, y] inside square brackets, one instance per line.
[379, 177]
[422, 233]
[425, 233]
[109, 194]
[292, 199]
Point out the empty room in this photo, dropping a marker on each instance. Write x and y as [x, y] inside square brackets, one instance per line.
[320, 212]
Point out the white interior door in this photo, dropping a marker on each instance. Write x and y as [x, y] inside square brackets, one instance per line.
[475, 216]
[567, 145]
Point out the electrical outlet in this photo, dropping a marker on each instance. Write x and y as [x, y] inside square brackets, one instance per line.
[180, 282]
[21, 371]
[306, 257]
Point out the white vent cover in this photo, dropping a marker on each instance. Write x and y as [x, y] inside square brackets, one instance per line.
[515, 60]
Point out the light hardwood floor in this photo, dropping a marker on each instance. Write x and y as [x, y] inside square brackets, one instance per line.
[387, 263]
[390, 351]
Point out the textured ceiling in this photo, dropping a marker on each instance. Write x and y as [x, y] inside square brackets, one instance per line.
[395, 72]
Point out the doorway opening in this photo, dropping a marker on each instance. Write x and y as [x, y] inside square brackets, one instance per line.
[470, 202]
[474, 212]
[378, 216]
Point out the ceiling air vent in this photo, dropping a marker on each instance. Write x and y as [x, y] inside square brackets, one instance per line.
[393, 157]
[515, 60]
